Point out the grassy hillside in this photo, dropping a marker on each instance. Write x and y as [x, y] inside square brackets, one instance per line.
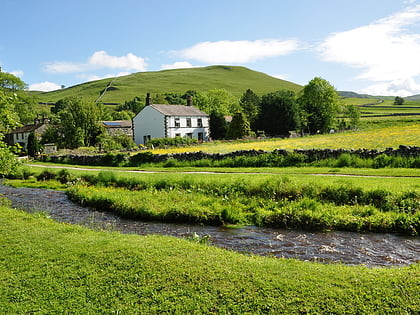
[234, 79]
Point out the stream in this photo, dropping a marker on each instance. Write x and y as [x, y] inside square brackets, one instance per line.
[370, 249]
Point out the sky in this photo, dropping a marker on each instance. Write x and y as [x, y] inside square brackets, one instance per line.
[365, 46]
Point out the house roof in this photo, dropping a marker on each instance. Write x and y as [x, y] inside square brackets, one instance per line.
[27, 128]
[117, 124]
[178, 110]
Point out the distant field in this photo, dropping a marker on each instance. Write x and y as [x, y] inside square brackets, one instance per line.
[377, 138]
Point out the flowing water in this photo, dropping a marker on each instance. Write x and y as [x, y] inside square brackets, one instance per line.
[370, 249]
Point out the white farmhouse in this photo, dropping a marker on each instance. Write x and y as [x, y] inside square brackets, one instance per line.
[170, 121]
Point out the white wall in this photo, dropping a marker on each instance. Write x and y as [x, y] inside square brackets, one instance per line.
[149, 122]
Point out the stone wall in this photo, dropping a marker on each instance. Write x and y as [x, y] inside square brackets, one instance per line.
[146, 157]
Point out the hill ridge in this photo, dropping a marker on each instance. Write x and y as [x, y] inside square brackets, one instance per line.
[235, 79]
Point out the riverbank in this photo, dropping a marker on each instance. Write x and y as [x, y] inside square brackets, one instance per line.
[49, 267]
[367, 249]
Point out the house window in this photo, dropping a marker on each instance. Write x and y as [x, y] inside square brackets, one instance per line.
[188, 122]
[177, 123]
[189, 135]
[199, 122]
[177, 135]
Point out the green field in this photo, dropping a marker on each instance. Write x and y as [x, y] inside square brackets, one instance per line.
[234, 79]
[390, 135]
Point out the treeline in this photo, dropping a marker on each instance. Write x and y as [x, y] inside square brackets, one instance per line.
[314, 110]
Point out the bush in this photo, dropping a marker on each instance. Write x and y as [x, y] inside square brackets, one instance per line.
[46, 175]
[177, 141]
[141, 158]
[114, 159]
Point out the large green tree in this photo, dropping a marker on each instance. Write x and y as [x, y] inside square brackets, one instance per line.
[135, 105]
[238, 127]
[279, 113]
[217, 125]
[10, 82]
[8, 120]
[80, 122]
[221, 101]
[319, 100]
[250, 104]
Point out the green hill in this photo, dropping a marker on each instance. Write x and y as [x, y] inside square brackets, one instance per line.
[234, 79]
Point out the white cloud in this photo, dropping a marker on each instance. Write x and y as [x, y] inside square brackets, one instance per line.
[386, 50]
[93, 77]
[233, 52]
[17, 73]
[44, 86]
[401, 87]
[177, 65]
[99, 60]
[280, 76]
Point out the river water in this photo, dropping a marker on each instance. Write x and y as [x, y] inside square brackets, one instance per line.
[370, 249]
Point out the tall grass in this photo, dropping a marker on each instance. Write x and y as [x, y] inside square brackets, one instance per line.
[275, 202]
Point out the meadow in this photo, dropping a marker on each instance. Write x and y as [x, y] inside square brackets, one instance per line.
[48, 267]
[376, 137]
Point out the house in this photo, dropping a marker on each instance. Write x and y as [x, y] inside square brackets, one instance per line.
[21, 135]
[170, 121]
[119, 126]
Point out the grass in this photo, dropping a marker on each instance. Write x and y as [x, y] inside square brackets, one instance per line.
[371, 138]
[47, 267]
[304, 201]
[232, 78]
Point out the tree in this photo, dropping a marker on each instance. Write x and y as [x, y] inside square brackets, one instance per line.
[135, 105]
[238, 127]
[221, 101]
[217, 126]
[11, 83]
[398, 100]
[279, 113]
[319, 100]
[353, 113]
[33, 147]
[250, 104]
[80, 122]
[8, 120]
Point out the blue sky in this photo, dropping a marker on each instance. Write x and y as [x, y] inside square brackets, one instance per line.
[368, 46]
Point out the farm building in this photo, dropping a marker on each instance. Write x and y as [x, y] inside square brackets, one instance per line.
[170, 121]
[20, 135]
[119, 126]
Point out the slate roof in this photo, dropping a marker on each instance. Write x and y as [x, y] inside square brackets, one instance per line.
[117, 124]
[178, 110]
[27, 128]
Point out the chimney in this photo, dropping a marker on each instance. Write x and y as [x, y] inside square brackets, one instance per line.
[148, 100]
[189, 100]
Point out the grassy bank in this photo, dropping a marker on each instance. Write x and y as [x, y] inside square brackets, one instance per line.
[304, 201]
[47, 267]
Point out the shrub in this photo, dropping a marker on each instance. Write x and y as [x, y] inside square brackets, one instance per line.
[141, 158]
[64, 176]
[46, 175]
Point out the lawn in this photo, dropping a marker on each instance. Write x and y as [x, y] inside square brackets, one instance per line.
[52, 268]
